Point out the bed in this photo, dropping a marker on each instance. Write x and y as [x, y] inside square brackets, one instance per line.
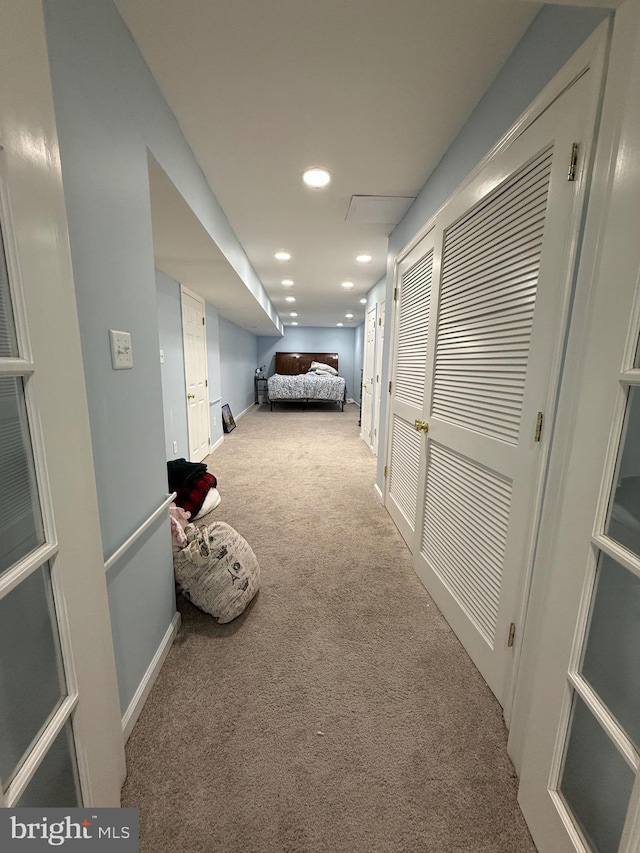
[296, 381]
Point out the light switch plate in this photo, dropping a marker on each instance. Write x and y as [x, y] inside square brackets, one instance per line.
[161, 356]
[121, 352]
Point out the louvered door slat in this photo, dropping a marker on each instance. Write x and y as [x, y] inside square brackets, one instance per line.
[466, 522]
[504, 216]
[405, 458]
[501, 197]
[413, 329]
[491, 259]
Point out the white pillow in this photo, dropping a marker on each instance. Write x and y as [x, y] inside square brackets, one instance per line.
[325, 368]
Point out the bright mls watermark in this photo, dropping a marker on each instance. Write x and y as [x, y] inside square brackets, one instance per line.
[24, 830]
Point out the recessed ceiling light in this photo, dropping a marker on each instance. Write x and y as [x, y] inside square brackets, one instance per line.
[349, 316]
[316, 177]
[363, 301]
[282, 256]
[347, 284]
[293, 314]
[290, 299]
[339, 324]
[294, 323]
[364, 258]
[287, 282]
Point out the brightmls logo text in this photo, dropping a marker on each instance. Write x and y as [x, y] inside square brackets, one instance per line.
[26, 830]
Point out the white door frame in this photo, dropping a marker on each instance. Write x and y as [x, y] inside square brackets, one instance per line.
[368, 354]
[589, 422]
[38, 257]
[378, 373]
[196, 296]
[591, 55]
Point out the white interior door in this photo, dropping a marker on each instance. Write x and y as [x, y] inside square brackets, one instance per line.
[412, 334]
[368, 376]
[378, 376]
[503, 245]
[195, 368]
[580, 783]
[61, 740]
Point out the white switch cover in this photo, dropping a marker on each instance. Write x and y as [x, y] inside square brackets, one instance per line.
[161, 356]
[121, 352]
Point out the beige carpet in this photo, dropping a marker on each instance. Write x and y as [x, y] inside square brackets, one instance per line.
[339, 714]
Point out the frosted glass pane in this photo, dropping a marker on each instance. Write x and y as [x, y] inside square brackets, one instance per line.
[55, 784]
[31, 675]
[612, 655]
[8, 345]
[596, 781]
[21, 527]
[623, 523]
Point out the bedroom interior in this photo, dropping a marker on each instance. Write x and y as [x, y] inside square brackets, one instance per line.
[430, 655]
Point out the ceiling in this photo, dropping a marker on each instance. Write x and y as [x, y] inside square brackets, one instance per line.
[184, 250]
[373, 90]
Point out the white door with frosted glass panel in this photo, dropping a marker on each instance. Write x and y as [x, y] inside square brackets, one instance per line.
[195, 368]
[367, 375]
[412, 329]
[61, 738]
[378, 376]
[502, 247]
[580, 780]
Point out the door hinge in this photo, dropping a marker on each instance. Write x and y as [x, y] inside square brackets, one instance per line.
[375, 431]
[389, 386]
[209, 441]
[206, 383]
[386, 470]
[379, 321]
[203, 321]
[377, 378]
[573, 162]
[395, 294]
[539, 421]
[512, 635]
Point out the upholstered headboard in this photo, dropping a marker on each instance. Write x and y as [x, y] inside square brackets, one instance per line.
[293, 363]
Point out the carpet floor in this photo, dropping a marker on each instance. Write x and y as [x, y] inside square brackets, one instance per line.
[339, 713]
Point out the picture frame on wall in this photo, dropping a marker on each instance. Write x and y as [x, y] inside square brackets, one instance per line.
[228, 423]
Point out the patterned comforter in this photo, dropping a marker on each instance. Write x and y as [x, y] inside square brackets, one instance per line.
[306, 386]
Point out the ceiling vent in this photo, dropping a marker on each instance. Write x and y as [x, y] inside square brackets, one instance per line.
[381, 209]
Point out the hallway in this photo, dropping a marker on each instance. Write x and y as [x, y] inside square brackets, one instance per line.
[339, 713]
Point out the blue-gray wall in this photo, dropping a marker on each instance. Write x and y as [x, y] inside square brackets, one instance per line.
[176, 427]
[552, 38]
[109, 111]
[215, 387]
[172, 370]
[358, 360]
[238, 362]
[314, 339]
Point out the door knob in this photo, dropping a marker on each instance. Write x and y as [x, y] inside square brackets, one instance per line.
[193, 397]
[421, 426]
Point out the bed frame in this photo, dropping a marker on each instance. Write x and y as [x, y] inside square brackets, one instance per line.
[295, 363]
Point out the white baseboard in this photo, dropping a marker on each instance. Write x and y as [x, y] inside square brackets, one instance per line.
[136, 705]
[378, 492]
[248, 409]
[216, 445]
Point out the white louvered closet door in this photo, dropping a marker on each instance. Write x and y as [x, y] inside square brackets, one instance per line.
[502, 247]
[413, 308]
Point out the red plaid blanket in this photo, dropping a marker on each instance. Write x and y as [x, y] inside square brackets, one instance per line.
[191, 497]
